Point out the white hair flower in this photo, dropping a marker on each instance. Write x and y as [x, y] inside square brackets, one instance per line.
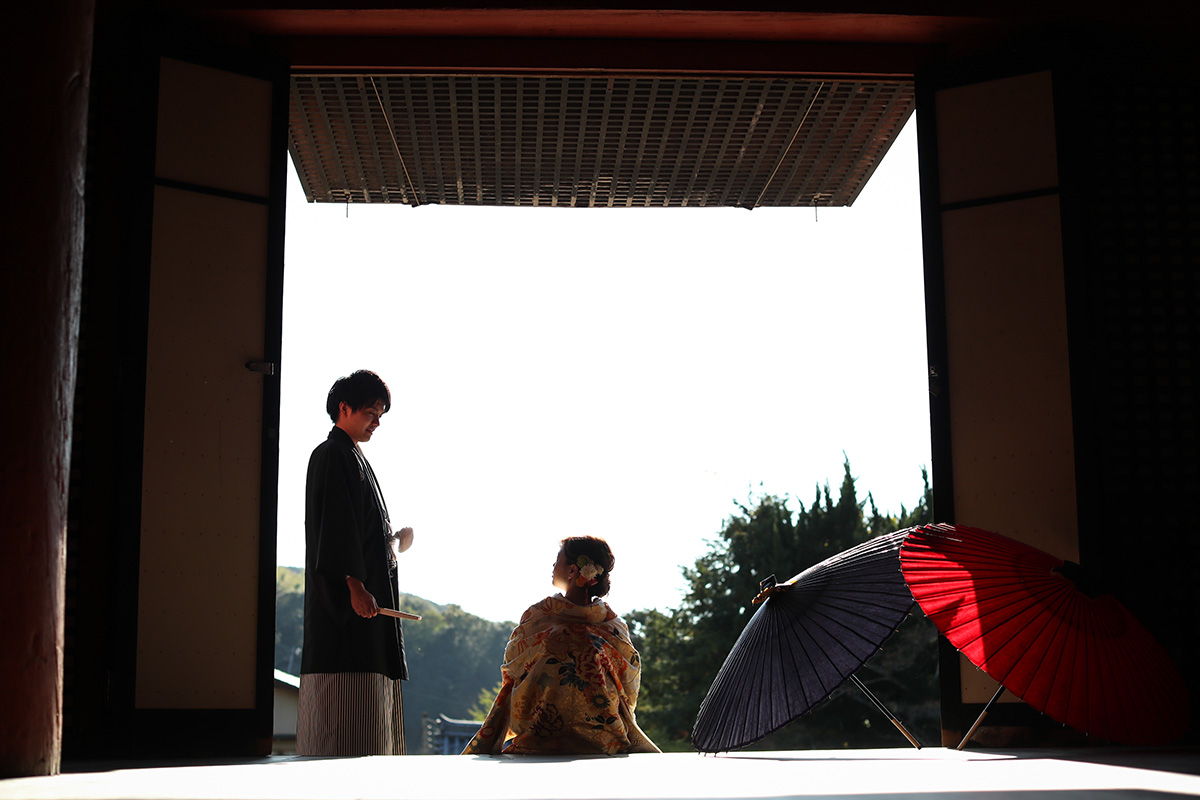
[589, 571]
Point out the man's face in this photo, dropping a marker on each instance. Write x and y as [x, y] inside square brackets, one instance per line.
[359, 425]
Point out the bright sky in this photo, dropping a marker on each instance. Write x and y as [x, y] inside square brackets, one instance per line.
[626, 373]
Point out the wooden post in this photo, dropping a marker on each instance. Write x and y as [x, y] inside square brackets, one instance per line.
[47, 49]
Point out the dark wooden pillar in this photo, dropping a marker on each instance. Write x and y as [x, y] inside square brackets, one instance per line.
[47, 50]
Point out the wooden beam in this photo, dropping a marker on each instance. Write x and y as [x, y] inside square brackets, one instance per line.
[609, 56]
[751, 24]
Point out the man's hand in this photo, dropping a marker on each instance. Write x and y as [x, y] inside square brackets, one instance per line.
[404, 539]
[362, 600]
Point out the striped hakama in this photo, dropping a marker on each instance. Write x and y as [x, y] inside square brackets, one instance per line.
[349, 714]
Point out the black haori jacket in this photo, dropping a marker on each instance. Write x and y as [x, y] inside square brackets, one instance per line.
[344, 527]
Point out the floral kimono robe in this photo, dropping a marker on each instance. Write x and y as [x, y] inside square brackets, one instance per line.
[571, 678]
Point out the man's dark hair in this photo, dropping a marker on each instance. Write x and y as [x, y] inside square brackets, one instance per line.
[357, 390]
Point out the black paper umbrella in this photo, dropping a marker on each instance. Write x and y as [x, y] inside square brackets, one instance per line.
[808, 636]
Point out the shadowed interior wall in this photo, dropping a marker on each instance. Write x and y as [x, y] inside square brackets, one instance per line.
[1131, 203]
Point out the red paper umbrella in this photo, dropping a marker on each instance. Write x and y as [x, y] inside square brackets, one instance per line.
[1034, 623]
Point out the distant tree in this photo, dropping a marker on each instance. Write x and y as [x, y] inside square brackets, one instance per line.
[484, 704]
[683, 648]
[664, 711]
[451, 662]
[921, 513]
[289, 618]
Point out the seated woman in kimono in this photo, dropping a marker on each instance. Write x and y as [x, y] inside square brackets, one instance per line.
[570, 673]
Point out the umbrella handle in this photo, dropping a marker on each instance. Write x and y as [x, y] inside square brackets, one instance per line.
[907, 735]
[878, 704]
[979, 721]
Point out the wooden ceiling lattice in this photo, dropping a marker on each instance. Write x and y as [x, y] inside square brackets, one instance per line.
[591, 141]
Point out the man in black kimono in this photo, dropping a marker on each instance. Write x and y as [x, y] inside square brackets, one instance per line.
[353, 660]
